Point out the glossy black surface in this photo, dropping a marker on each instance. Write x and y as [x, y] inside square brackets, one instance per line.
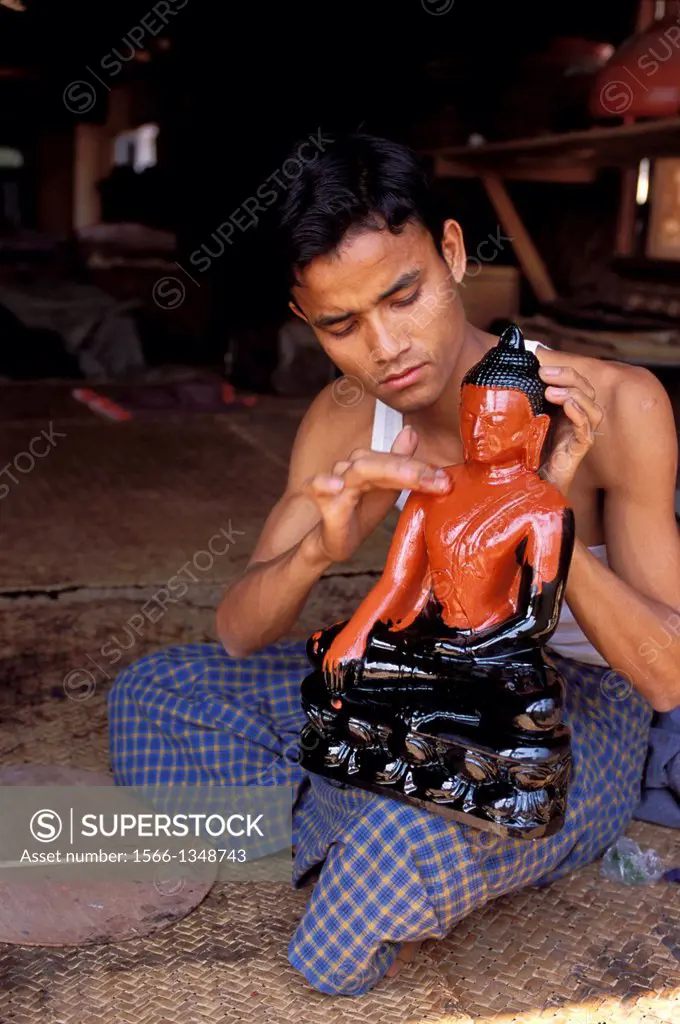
[480, 741]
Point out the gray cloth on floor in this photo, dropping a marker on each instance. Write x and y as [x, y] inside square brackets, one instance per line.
[95, 327]
[660, 802]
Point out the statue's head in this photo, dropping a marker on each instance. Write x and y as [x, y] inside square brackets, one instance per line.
[504, 412]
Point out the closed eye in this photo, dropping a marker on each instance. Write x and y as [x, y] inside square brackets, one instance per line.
[410, 299]
[343, 334]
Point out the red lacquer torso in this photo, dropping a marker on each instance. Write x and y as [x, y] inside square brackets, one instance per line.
[472, 537]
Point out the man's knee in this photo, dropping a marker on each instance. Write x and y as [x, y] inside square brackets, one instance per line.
[157, 666]
[132, 682]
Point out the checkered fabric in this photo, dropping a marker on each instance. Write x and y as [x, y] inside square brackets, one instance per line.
[191, 715]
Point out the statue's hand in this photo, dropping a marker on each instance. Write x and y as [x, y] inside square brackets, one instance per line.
[339, 657]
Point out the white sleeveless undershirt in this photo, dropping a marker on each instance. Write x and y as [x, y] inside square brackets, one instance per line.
[569, 640]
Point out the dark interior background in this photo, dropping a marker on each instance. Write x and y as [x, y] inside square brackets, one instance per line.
[240, 82]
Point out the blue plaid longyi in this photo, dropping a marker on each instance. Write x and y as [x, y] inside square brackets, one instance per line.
[191, 715]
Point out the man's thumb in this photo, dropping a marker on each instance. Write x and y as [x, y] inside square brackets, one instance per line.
[406, 442]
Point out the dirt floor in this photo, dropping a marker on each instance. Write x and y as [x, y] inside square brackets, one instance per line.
[90, 532]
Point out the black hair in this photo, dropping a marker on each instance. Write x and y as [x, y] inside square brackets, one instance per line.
[509, 364]
[358, 182]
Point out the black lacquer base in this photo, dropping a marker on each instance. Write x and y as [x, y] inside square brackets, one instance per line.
[479, 742]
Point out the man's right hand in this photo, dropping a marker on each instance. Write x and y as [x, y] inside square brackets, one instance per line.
[359, 492]
[320, 520]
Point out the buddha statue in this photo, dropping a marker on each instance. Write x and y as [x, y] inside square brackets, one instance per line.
[438, 691]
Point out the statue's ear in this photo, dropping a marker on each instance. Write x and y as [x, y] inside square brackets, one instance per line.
[537, 433]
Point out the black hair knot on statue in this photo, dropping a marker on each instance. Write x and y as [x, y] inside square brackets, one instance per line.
[509, 365]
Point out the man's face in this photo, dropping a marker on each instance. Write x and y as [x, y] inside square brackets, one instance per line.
[495, 424]
[385, 309]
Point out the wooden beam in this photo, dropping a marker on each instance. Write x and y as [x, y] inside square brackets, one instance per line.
[527, 254]
[630, 141]
[562, 173]
[626, 215]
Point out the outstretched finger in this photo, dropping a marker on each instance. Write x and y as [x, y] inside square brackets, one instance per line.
[386, 471]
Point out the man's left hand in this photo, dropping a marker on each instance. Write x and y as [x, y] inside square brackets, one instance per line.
[575, 434]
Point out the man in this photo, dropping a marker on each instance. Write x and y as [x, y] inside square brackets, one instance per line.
[379, 278]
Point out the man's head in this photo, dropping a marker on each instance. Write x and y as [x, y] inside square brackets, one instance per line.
[504, 412]
[375, 269]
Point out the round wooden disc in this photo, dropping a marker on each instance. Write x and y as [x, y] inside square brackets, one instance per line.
[47, 912]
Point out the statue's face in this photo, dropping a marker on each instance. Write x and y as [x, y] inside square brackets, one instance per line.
[496, 424]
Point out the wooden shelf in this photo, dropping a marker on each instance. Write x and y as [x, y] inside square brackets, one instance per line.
[565, 157]
[659, 349]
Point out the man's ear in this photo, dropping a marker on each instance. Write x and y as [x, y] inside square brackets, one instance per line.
[297, 311]
[453, 249]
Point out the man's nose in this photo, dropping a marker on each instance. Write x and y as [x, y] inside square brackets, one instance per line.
[387, 342]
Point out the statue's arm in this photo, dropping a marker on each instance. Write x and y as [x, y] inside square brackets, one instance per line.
[392, 598]
[539, 599]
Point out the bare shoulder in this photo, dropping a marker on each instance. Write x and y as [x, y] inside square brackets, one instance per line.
[640, 427]
[339, 420]
[637, 418]
[637, 394]
[616, 384]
